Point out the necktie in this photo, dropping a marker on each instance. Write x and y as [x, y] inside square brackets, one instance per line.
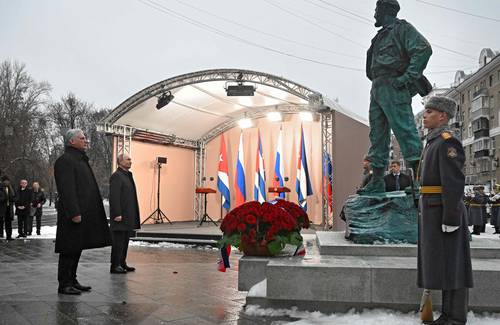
[397, 183]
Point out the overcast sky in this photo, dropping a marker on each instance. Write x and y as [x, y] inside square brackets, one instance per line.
[106, 50]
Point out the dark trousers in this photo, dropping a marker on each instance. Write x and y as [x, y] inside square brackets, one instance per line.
[38, 216]
[29, 225]
[455, 304]
[22, 225]
[478, 229]
[66, 270]
[119, 248]
[8, 226]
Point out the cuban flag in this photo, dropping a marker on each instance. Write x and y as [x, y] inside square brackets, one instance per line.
[279, 168]
[259, 187]
[328, 179]
[239, 181]
[303, 184]
[223, 175]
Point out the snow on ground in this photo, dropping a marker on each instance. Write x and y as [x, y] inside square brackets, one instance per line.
[47, 232]
[170, 245]
[366, 317]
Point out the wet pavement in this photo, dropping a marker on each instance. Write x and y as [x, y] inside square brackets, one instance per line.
[170, 286]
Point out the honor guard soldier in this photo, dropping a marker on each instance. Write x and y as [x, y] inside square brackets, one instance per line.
[477, 211]
[444, 261]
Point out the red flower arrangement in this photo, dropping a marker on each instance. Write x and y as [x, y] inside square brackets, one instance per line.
[269, 225]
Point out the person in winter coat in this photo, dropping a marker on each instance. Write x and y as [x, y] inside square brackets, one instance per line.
[444, 261]
[124, 213]
[37, 204]
[23, 208]
[81, 219]
[7, 202]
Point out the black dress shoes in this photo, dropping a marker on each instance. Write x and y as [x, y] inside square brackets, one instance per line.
[117, 270]
[80, 287]
[69, 291]
[128, 268]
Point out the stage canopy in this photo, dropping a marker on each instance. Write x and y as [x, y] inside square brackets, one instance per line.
[200, 109]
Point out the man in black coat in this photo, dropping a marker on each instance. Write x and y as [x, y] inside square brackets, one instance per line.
[124, 213]
[396, 180]
[81, 219]
[444, 261]
[23, 208]
[7, 202]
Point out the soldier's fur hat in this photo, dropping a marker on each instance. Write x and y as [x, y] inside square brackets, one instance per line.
[442, 104]
[391, 6]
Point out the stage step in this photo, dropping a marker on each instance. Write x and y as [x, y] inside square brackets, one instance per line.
[177, 240]
[339, 283]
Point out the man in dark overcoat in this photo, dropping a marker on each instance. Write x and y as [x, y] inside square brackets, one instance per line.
[23, 208]
[495, 210]
[477, 210]
[7, 202]
[124, 213]
[444, 261]
[81, 219]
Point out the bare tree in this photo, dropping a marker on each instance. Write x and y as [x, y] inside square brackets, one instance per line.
[21, 102]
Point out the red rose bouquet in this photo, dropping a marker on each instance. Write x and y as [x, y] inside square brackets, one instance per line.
[269, 225]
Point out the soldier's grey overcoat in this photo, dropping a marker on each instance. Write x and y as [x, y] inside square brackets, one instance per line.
[444, 261]
[476, 209]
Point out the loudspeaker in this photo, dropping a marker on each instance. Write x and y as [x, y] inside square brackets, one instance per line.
[161, 160]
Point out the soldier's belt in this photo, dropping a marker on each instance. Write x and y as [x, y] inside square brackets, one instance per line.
[431, 189]
[477, 205]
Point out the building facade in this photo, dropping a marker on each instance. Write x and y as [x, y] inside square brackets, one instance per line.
[477, 118]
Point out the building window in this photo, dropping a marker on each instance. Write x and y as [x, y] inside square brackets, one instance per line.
[491, 80]
[469, 131]
[463, 98]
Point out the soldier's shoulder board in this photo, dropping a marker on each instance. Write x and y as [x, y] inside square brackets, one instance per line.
[446, 135]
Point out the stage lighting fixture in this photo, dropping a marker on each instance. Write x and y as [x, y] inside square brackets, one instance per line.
[245, 123]
[274, 116]
[306, 116]
[164, 99]
[240, 90]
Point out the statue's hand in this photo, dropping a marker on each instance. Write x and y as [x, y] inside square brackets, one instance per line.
[399, 82]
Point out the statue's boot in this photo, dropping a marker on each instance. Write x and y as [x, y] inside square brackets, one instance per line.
[376, 184]
[415, 186]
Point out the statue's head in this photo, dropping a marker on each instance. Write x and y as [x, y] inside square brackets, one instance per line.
[385, 12]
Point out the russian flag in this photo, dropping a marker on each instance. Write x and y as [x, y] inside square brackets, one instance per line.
[279, 168]
[223, 175]
[303, 184]
[239, 181]
[259, 187]
[328, 179]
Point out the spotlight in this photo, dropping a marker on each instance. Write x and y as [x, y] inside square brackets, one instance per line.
[274, 116]
[306, 116]
[240, 90]
[245, 123]
[164, 99]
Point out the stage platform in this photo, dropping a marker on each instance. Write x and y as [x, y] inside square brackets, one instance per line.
[182, 232]
[187, 232]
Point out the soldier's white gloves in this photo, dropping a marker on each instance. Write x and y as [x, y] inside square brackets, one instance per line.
[446, 228]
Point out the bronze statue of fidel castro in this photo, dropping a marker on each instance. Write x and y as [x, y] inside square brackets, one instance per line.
[395, 62]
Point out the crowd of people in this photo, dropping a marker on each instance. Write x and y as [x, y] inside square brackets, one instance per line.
[24, 202]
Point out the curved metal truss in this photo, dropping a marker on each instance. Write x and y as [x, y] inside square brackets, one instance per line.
[211, 75]
[315, 105]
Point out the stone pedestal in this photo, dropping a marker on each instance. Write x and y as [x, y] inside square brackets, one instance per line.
[383, 218]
